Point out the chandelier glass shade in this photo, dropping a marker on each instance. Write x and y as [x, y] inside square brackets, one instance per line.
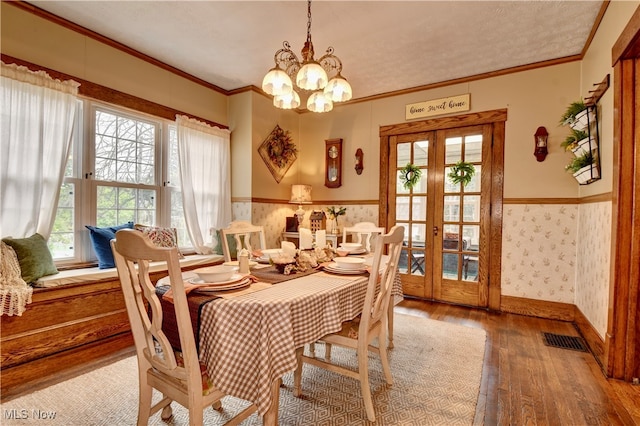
[277, 82]
[322, 77]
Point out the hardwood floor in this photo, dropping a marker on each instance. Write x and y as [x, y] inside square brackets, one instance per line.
[525, 382]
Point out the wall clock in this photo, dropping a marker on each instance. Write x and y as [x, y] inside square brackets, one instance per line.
[333, 163]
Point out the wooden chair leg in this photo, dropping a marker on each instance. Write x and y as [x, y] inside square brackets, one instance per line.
[144, 409]
[363, 366]
[390, 323]
[297, 374]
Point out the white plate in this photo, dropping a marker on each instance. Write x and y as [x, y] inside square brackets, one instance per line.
[199, 282]
[357, 251]
[336, 269]
[232, 286]
[263, 260]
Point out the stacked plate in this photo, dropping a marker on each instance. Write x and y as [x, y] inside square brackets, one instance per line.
[234, 282]
[352, 248]
[347, 266]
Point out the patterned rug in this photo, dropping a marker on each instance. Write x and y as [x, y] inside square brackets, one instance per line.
[436, 369]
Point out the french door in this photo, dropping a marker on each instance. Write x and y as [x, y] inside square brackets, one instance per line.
[448, 225]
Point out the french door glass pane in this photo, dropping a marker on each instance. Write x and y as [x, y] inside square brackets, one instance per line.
[403, 152]
[453, 150]
[473, 148]
[421, 153]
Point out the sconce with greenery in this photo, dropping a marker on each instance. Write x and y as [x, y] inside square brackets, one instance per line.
[461, 172]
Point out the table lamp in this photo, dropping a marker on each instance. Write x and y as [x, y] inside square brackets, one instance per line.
[300, 194]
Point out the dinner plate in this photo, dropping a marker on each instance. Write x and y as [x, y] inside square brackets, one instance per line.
[358, 251]
[232, 286]
[199, 282]
[336, 269]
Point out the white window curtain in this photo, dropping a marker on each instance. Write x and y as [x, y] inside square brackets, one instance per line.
[38, 114]
[205, 172]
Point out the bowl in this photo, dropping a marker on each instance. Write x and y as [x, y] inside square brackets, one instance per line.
[350, 262]
[350, 246]
[217, 273]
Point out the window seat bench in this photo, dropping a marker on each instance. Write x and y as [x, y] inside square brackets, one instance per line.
[76, 316]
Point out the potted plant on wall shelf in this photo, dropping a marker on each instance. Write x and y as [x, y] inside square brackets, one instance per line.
[583, 167]
[572, 111]
[578, 142]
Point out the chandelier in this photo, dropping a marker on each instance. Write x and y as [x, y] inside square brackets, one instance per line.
[309, 76]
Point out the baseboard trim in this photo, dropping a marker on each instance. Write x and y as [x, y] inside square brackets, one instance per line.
[558, 311]
[538, 308]
[591, 336]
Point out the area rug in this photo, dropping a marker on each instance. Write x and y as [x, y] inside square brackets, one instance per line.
[436, 367]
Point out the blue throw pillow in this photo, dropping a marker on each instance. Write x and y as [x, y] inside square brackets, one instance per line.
[101, 241]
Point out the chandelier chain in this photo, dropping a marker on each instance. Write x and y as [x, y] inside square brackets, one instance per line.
[309, 20]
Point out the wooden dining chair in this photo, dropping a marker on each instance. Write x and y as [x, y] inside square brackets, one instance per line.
[245, 235]
[359, 333]
[178, 375]
[362, 233]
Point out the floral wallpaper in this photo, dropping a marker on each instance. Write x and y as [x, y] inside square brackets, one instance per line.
[559, 253]
[273, 216]
[593, 263]
[539, 251]
[541, 256]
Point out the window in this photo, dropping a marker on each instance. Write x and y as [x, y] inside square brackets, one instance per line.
[123, 167]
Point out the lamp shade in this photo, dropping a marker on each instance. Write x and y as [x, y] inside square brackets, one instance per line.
[319, 102]
[300, 194]
[338, 89]
[287, 101]
[277, 82]
[311, 76]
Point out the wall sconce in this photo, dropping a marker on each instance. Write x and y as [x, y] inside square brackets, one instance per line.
[540, 139]
[359, 161]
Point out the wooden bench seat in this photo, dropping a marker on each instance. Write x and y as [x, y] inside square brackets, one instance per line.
[75, 317]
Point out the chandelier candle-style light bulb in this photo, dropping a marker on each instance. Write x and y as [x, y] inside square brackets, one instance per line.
[322, 77]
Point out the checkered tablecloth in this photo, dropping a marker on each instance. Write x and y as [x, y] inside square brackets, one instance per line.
[249, 341]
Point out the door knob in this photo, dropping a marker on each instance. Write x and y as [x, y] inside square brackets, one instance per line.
[435, 230]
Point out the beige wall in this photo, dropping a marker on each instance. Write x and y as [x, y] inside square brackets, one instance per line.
[33, 39]
[533, 98]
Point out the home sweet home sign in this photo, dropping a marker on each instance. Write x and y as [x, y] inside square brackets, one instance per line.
[438, 106]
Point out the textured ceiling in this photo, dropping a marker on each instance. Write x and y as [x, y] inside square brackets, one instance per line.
[385, 46]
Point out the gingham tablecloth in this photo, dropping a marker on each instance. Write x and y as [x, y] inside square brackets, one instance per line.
[248, 341]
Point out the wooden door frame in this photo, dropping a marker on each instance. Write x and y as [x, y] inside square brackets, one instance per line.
[495, 117]
[622, 342]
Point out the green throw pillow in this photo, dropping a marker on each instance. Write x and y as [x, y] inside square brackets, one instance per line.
[34, 257]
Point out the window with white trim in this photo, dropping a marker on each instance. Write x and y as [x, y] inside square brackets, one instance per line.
[123, 167]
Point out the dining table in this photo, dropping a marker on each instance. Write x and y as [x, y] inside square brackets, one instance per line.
[247, 337]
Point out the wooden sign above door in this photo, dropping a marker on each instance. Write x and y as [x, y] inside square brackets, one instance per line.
[438, 106]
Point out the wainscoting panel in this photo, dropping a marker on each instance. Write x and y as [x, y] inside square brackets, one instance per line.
[539, 251]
